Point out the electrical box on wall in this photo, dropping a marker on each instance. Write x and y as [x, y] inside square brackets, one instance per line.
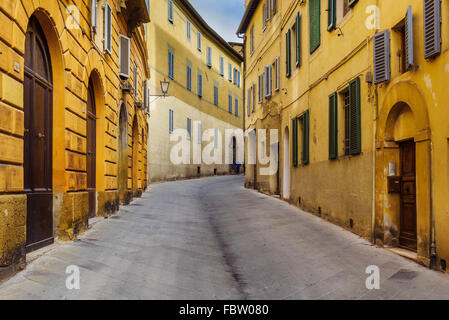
[394, 184]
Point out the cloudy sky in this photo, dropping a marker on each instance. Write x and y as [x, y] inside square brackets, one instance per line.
[223, 16]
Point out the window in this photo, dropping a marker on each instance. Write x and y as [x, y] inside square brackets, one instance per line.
[107, 28]
[93, 15]
[277, 74]
[248, 102]
[170, 121]
[267, 82]
[136, 80]
[171, 65]
[235, 76]
[236, 103]
[238, 79]
[200, 84]
[199, 41]
[251, 40]
[264, 16]
[189, 30]
[314, 24]
[405, 31]
[189, 77]
[298, 39]
[230, 103]
[352, 110]
[221, 66]
[381, 62]
[170, 11]
[189, 128]
[124, 57]
[146, 95]
[209, 57]
[432, 28]
[216, 95]
[333, 127]
[229, 72]
[288, 40]
[253, 97]
[260, 88]
[300, 127]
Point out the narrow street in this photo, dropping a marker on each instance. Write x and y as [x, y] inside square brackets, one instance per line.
[212, 239]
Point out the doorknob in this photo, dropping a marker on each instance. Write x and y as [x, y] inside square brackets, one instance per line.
[40, 135]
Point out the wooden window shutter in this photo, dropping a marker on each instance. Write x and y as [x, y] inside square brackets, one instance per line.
[331, 14]
[298, 39]
[295, 141]
[189, 128]
[107, 28]
[355, 133]
[305, 138]
[199, 41]
[333, 126]
[432, 28]
[93, 15]
[253, 96]
[221, 66]
[288, 62]
[200, 84]
[315, 28]
[381, 56]
[136, 80]
[146, 95]
[264, 16]
[277, 75]
[124, 57]
[269, 80]
[236, 107]
[274, 6]
[409, 59]
[189, 29]
[248, 103]
[265, 82]
[170, 11]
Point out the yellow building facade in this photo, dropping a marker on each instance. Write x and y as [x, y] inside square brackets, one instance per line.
[73, 125]
[205, 91]
[363, 138]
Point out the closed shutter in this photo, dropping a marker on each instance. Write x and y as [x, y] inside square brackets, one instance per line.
[170, 11]
[260, 88]
[209, 57]
[136, 80]
[315, 28]
[333, 127]
[355, 134]
[199, 41]
[264, 16]
[295, 141]
[269, 79]
[381, 56]
[107, 28]
[248, 103]
[298, 39]
[189, 128]
[288, 54]
[265, 82]
[221, 66]
[229, 72]
[93, 15]
[124, 57]
[331, 14]
[305, 138]
[230, 103]
[432, 28]
[253, 96]
[277, 75]
[189, 29]
[238, 76]
[200, 84]
[189, 77]
[170, 121]
[236, 107]
[408, 41]
[274, 6]
[171, 62]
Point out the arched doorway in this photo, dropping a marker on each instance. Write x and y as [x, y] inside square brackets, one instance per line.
[135, 159]
[91, 148]
[123, 155]
[286, 169]
[38, 117]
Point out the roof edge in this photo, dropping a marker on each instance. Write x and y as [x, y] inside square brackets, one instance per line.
[249, 12]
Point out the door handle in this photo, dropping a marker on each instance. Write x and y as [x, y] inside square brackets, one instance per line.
[40, 135]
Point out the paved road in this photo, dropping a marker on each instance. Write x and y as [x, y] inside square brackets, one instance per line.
[212, 239]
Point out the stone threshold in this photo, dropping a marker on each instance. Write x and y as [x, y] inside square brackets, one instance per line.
[411, 255]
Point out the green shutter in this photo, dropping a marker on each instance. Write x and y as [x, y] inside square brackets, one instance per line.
[288, 54]
[331, 14]
[305, 138]
[315, 28]
[295, 141]
[298, 40]
[333, 126]
[355, 134]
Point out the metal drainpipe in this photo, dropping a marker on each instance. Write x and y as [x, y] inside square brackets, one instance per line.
[244, 109]
[433, 252]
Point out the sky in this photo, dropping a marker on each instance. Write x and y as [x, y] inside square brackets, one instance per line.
[223, 16]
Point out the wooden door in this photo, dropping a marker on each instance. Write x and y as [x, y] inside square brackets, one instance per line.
[38, 92]
[91, 150]
[407, 236]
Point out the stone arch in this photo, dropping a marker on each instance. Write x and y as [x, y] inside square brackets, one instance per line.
[403, 116]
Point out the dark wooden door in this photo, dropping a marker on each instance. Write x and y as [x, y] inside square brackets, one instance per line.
[38, 92]
[91, 150]
[407, 236]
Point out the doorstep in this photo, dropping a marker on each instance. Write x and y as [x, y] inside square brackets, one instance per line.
[404, 253]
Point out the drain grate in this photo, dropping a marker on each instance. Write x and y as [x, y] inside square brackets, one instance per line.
[404, 274]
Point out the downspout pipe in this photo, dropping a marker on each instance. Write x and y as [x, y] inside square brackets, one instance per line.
[433, 249]
[244, 109]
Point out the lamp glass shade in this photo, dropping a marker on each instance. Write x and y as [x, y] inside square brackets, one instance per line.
[164, 86]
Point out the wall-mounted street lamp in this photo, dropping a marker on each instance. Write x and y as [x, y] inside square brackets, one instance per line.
[165, 85]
